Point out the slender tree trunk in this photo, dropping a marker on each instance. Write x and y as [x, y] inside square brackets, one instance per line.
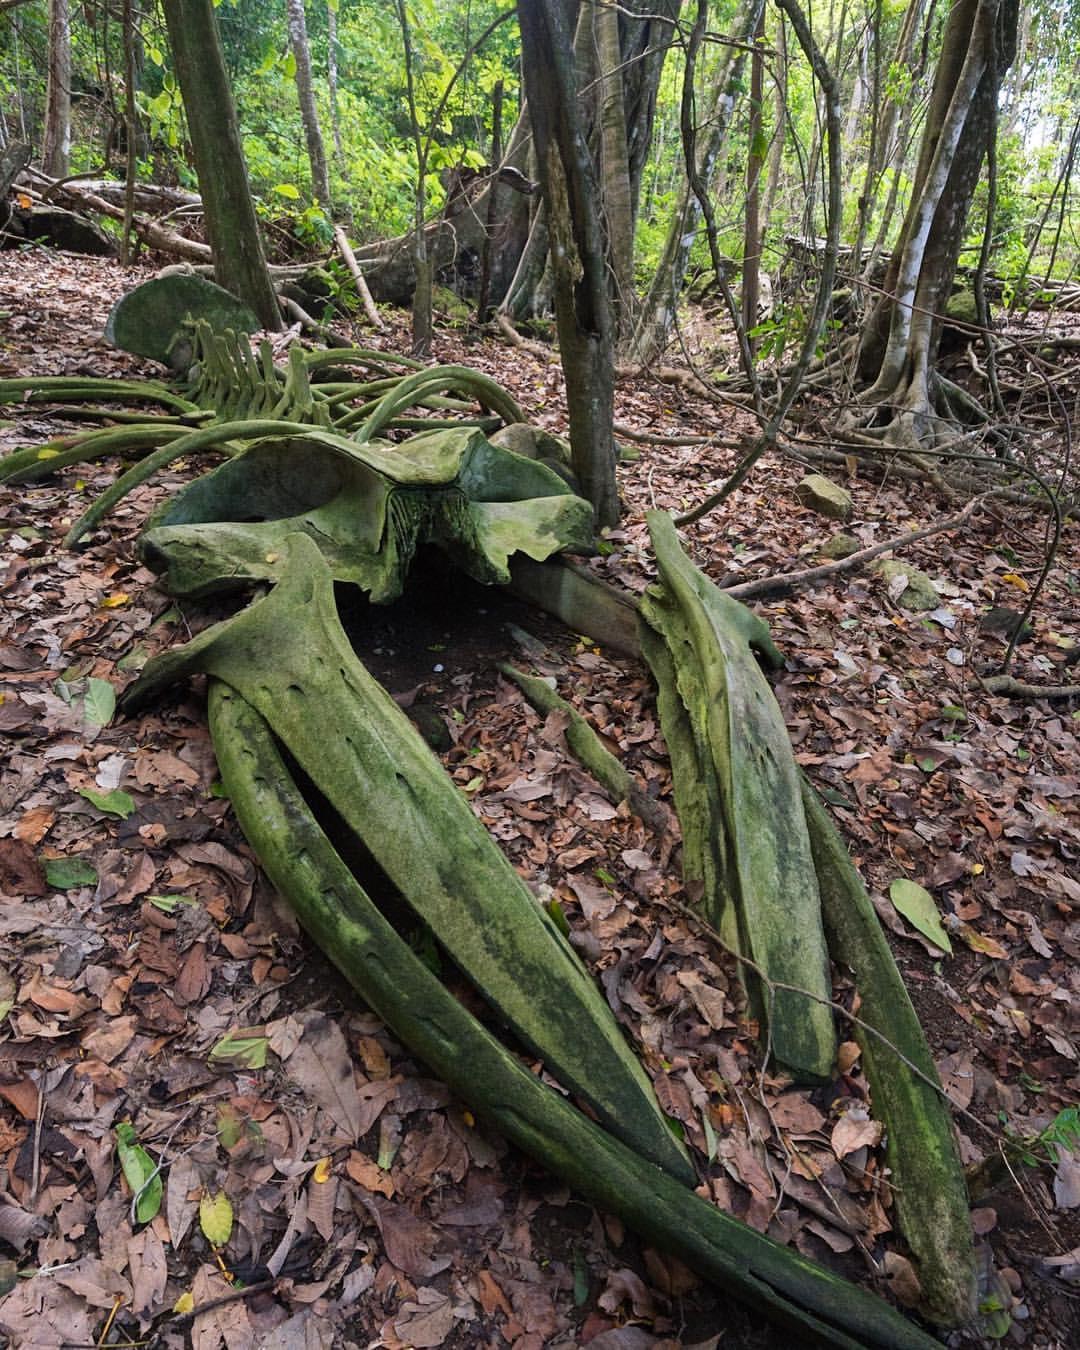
[755, 159]
[582, 301]
[422, 264]
[332, 81]
[131, 127]
[309, 114]
[615, 169]
[239, 262]
[56, 144]
[492, 215]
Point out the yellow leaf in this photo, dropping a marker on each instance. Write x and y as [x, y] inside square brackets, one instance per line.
[46, 453]
[1014, 580]
[216, 1218]
[185, 1303]
[468, 1118]
[116, 601]
[322, 1171]
[977, 869]
[272, 557]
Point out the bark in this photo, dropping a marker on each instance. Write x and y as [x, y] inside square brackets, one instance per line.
[332, 83]
[615, 168]
[579, 263]
[482, 307]
[56, 145]
[755, 160]
[131, 124]
[239, 262]
[899, 346]
[305, 91]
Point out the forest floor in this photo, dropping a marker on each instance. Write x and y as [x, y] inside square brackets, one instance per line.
[149, 974]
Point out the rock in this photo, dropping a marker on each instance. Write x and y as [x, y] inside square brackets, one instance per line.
[146, 320]
[918, 594]
[1005, 621]
[824, 496]
[532, 443]
[62, 229]
[449, 304]
[840, 546]
[961, 308]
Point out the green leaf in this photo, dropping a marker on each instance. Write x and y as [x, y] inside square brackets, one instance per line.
[289, 190]
[216, 1218]
[66, 874]
[115, 803]
[951, 713]
[289, 66]
[917, 905]
[250, 1051]
[7, 993]
[99, 702]
[169, 904]
[140, 1172]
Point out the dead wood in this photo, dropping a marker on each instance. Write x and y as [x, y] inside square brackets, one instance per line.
[783, 585]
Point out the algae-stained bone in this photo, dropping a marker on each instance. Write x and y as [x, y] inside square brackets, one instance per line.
[739, 798]
[288, 656]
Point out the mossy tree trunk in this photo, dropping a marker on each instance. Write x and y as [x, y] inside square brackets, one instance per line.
[239, 262]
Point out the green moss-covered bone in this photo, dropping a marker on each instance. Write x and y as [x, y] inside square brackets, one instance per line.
[34, 462]
[289, 658]
[920, 1147]
[777, 1282]
[588, 749]
[763, 890]
[367, 507]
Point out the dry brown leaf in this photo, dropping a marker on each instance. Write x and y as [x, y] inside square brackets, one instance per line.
[855, 1130]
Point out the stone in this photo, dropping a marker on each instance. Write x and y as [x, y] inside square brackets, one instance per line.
[147, 319]
[825, 497]
[919, 593]
[840, 546]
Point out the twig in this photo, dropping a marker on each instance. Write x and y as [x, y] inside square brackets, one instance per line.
[774, 985]
[1010, 687]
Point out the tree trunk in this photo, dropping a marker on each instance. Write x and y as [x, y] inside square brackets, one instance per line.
[755, 160]
[239, 262]
[582, 302]
[332, 81]
[615, 169]
[309, 115]
[899, 346]
[56, 143]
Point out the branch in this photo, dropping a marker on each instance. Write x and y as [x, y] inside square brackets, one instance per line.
[781, 585]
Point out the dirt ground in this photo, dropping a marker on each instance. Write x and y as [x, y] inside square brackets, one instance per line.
[149, 973]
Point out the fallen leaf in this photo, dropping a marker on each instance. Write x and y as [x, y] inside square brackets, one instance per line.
[917, 905]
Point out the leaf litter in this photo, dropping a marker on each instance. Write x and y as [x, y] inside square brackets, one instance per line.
[154, 978]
